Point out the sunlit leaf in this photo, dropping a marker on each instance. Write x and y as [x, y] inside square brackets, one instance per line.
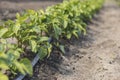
[69, 36]
[33, 45]
[42, 39]
[19, 67]
[3, 31]
[27, 66]
[16, 27]
[3, 77]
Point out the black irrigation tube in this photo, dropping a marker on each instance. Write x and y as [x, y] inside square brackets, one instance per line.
[34, 62]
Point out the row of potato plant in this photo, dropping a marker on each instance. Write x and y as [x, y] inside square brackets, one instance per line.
[31, 30]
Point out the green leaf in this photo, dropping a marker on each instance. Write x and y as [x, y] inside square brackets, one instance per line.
[17, 54]
[1, 27]
[10, 55]
[43, 39]
[13, 54]
[3, 31]
[3, 66]
[41, 11]
[57, 30]
[2, 47]
[8, 34]
[82, 29]
[65, 24]
[19, 67]
[27, 66]
[31, 11]
[17, 15]
[3, 41]
[62, 48]
[75, 33]
[42, 52]
[3, 77]
[69, 36]
[49, 49]
[16, 27]
[33, 45]
[3, 55]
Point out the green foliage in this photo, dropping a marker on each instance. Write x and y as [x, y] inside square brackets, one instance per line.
[3, 77]
[32, 30]
[9, 55]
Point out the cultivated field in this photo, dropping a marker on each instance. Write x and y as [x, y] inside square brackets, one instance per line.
[94, 56]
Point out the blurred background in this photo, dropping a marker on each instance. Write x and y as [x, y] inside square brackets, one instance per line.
[9, 8]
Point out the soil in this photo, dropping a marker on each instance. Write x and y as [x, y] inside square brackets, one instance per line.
[95, 56]
[100, 58]
[9, 8]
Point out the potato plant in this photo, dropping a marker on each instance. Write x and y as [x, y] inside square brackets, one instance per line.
[32, 30]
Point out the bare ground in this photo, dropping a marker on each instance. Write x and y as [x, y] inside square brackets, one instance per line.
[100, 58]
[96, 57]
[9, 8]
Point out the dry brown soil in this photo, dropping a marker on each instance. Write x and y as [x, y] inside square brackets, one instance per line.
[95, 57]
[101, 57]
